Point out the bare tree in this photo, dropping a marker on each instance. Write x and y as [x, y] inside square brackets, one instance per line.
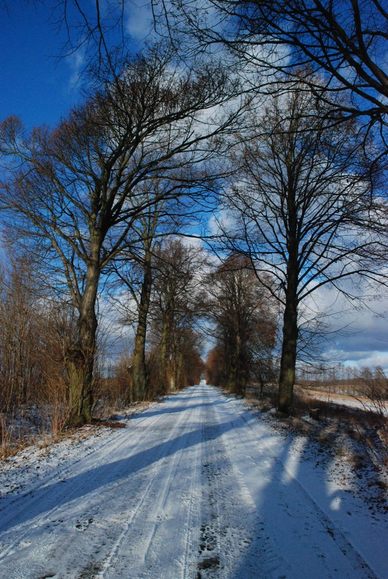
[137, 268]
[20, 374]
[98, 29]
[77, 190]
[35, 332]
[174, 308]
[245, 323]
[133, 273]
[305, 212]
[342, 42]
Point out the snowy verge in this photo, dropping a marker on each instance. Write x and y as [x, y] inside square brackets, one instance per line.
[48, 456]
[353, 456]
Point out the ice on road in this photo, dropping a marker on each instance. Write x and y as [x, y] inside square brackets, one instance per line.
[195, 487]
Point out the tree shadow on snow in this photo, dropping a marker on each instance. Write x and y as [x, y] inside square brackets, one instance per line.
[297, 532]
[22, 509]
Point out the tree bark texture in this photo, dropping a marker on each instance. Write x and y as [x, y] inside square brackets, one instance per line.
[81, 356]
[139, 370]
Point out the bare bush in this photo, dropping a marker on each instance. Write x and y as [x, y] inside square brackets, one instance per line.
[374, 391]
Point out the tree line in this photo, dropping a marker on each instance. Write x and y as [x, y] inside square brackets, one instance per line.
[265, 134]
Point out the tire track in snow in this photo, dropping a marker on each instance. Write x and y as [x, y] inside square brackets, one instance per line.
[209, 547]
[229, 522]
[192, 523]
[169, 493]
[61, 495]
[113, 555]
[169, 520]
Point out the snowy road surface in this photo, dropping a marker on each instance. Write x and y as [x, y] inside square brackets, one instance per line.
[196, 486]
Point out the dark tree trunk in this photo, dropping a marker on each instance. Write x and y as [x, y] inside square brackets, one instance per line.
[236, 382]
[139, 370]
[289, 343]
[290, 317]
[81, 356]
[164, 355]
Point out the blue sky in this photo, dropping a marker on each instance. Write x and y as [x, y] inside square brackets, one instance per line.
[38, 84]
[40, 77]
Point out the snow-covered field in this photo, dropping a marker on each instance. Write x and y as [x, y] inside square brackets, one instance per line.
[359, 402]
[196, 486]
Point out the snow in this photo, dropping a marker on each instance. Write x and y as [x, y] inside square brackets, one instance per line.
[361, 403]
[197, 486]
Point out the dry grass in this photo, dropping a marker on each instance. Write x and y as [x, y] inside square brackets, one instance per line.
[109, 423]
[14, 440]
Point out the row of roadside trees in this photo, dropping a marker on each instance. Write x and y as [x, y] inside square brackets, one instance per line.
[289, 172]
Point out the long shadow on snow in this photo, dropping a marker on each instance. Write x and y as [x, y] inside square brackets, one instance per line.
[297, 551]
[168, 410]
[31, 505]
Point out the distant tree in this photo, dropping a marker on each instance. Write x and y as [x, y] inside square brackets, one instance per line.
[134, 273]
[215, 366]
[305, 212]
[77, 190]
[188, 353]
[245, 324]
[174, 310]
[20, 373]
[131, 290]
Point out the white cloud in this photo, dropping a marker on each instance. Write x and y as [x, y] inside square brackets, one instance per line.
[221, 221]
[359, 330]
[76, 62]
[139, 21]
[359, 359]
[192, 242]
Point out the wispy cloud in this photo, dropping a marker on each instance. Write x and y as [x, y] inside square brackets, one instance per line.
[76, 62]
[139, 22]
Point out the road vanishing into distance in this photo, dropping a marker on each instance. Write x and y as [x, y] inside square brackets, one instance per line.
[195, 486]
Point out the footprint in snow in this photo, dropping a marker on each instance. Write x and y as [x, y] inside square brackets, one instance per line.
[83, 525]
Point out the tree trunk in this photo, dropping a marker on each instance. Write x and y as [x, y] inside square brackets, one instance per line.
[234, 384]
[81, 356]
[172, 363]
[164, 356]
[290, 318]
[139, 373]
[289, 343]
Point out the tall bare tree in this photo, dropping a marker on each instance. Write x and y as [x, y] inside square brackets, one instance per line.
[245, 323]
[134, 271]
[306, 215]
[134, 274]
[77, 189]
[174, 309]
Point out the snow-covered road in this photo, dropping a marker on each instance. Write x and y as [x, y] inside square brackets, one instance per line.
[196, 486]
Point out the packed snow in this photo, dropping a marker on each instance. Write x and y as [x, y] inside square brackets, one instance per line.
[197, 486]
